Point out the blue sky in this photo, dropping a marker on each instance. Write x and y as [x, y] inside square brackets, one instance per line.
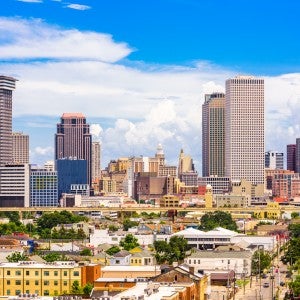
[139, 69]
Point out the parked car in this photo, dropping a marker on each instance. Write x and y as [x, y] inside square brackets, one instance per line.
[282, 283]
[266, 284]
[264, 276]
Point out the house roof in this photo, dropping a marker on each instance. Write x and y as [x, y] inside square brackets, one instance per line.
[221, 254]
[122, 253]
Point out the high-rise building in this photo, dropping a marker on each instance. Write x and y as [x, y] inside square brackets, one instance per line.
[20, 148]
[213, 135]
[291, 157]
[7, 85]
[96, 157]
[274, 160]
[244, 124]
[297, 155]
[43, 187]
[14, 185]
[73, 140]
[185, 163]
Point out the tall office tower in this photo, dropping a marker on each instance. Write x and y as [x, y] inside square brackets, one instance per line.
[7, 85]
[96, 157]
[20, 148]
[73, 140]
[291, 157]
[297, 155]
[213, 135]
[274, 160]
[185, 163]
[244, 129]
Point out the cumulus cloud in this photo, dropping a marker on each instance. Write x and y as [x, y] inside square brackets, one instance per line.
[142, 104]
[78, 6]
[31, 1]
[33, 39]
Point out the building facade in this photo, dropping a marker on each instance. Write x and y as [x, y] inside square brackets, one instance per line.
[244, 123]
[14, 185]
[274, 160]
[185, 163]
[20, 148]
[7, 85]
[291, 157]
[43, 187]
[73, 139]
[213, 135]
[96, 157]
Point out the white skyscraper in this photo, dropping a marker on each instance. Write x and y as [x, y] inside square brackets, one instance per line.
[244, 129]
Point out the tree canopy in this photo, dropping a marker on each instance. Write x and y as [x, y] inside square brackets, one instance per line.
[215, 219]
[261, 260]
[129, 242]
[16, 257]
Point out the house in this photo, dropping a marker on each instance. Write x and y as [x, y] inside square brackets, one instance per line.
[121, 258]
[142, 258]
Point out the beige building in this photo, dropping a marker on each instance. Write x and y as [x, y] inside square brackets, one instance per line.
[185, 163]
[245, 187]
[96, 158]
[20, 148]
[244, 134]
[230, 200]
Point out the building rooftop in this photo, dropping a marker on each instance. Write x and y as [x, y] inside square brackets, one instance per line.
[72, 115]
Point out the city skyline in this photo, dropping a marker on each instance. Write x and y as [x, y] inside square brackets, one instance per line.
[141, 82]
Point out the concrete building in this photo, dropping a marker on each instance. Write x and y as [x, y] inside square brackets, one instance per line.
[185, 163]
[291, 157]
[20, 148]
[231, 200]
[213, 135]
[297, 155]
[245, 187]
[286, 185]
[43, 187]
[49, 165]
[7, 85]
[244, 123]
[96, 159]
[14, 185]
[73, 139]
[219, 185]
[189, 178]
[274, 160]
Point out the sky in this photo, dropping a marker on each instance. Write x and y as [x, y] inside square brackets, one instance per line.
[138, 69]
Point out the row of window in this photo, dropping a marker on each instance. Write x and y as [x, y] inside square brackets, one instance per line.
[36, 282]
[36, 273]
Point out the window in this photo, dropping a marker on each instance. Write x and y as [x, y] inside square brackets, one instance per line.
[7, 292]
[46, 273]
[36, 273]
[27, 273]
[55, 282]
[46, 292]
[27, 291]
[8, 282]
[27, 282]
[65, 283]
[18, 282]
[18, 273]
[46, 282]
[76, 273]
[36, 282]
[65, 273]
[18, 292]
[55, 273]
[7, 272]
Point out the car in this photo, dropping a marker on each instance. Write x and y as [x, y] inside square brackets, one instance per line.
[282, 283]
[266, 284]
[264, 276]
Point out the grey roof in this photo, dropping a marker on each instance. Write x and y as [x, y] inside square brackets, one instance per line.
[122, 253]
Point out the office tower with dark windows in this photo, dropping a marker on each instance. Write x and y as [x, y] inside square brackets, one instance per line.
[291, 157]
[213, 135]
[73, 140]
[20, 148]
[7, 85]
[244, 134]
[274, 160]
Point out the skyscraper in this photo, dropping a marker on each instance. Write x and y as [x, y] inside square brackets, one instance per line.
[20, 148]
[73, 140]
[274, 160]
[7, 85]
[244, 124]
[213, 135]
[297, 155]
[291, 157]
[96, 158]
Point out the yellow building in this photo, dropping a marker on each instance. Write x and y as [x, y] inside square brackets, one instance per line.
[208, 197]
[271, 211]
[43, 279]
[169, 201]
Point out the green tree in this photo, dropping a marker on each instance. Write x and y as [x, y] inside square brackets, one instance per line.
[87, 289]
[295, 286]
[54, 256]
[215, 219]
[16, 257]
[294, 230]
[261, 260]
[293, 251]
[86, 252]
[14, 217]
[295, 215]
[112, 228]
[128, 224]
[129, 242]
[112, 250]
[76, 288]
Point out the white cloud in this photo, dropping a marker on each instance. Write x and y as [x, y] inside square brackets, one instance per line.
[43, 151]
[96, 130]
[145, 104]
[33, 39]
[78, 6]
